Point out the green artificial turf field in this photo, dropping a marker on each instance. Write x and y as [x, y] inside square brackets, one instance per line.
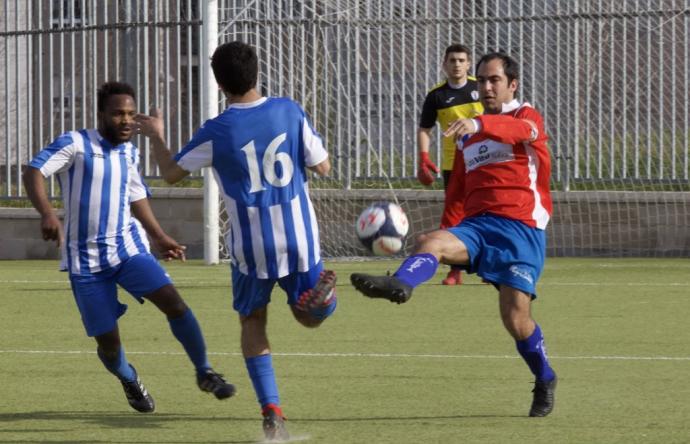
[439, 369]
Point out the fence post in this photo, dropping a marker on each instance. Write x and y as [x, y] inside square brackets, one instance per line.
[209, 90]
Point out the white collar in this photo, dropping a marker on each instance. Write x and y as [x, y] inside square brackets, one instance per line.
[456, 85]
[510, 106]
[248, 104]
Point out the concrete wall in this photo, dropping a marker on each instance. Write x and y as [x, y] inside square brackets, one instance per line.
[584, 223]
[179, 211]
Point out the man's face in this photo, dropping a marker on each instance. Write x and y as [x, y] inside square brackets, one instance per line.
[117, 118]
[456, 66]
[494, 88]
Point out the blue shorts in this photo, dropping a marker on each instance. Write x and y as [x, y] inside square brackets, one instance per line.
[96, 295]
[503, 251]
[251, 293]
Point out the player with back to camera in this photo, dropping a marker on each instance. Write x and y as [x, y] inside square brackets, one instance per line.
[103, 245]
[454, 98]
[260, 149]
[502, 169]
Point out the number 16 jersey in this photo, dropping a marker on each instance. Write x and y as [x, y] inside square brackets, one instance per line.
[259, 152]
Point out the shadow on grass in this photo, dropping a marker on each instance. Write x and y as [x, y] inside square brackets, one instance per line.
[114, 420]
[124, 421]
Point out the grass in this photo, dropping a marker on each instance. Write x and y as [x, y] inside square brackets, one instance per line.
[438, 369]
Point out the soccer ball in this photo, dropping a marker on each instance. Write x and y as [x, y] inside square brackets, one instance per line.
[382, 228]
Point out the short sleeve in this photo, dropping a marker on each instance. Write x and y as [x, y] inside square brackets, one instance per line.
[198, 153]
[428, 117]
[137, 188]
[56, 157]
[314, 151]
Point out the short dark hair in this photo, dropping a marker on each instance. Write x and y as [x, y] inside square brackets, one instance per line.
[112, 89]
[510, 66]
[456, 47]
[235, 67]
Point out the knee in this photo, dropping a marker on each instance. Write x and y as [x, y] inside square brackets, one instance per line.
[518, 324]
[429, 243]
[256, 320]
[169, 301]
[421, 241]
[108, 345]
[510, 323]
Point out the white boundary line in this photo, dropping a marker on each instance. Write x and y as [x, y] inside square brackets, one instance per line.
[366, 355]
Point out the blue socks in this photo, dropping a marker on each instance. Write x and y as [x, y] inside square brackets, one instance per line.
[263, 378]
[417, 269]
[186, 329]
[533, 352]
[118, 367]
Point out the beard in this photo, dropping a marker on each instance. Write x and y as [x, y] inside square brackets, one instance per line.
[112, 134]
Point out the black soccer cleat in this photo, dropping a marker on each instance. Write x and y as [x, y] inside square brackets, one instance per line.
[213, 382]
[544, 397]
[137, 396]
[385, 287]
[274, 426]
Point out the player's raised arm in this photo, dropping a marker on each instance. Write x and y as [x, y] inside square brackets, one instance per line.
[512, 130]
[462, 127]
[152, 127]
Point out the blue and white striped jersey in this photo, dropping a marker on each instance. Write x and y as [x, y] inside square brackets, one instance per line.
[259, 152]
[98, 183]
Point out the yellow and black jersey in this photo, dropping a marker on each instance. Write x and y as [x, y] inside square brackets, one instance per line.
[447, 104]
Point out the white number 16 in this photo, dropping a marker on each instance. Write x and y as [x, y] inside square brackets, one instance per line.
[271, 158]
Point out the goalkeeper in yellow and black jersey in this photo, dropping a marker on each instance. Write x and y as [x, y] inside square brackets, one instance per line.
[454, 98]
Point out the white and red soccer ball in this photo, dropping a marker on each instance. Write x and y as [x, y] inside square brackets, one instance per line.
[382, 228]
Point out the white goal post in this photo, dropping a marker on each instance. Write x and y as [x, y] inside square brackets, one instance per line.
[212, 241]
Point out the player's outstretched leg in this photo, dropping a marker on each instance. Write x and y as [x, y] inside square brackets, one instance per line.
[185, 327]
[414, 270]
[187, 330]
[384, 287]
[320, 301]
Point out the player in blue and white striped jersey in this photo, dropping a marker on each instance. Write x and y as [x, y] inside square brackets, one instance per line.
[260, 150]
[103, 245]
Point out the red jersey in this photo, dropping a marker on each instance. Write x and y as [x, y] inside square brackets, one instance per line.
[504, 170]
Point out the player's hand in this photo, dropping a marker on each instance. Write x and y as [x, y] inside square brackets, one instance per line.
[169, 248]
[460, 128]
[151, 125]
[426, 166]
[51, 228]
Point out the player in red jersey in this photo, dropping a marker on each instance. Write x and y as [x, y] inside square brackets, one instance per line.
[501, 172]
